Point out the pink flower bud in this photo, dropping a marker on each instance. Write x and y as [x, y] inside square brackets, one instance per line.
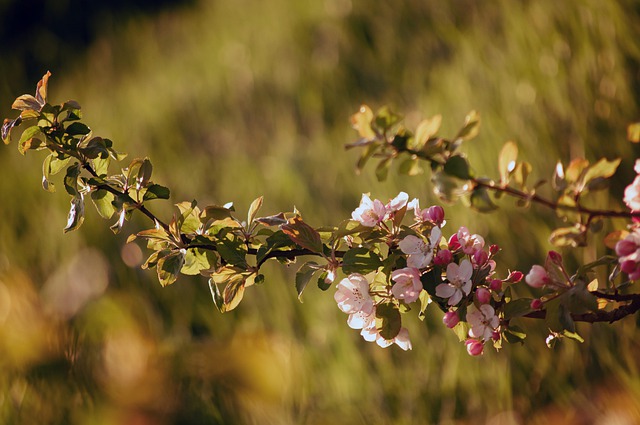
[474, 347]
[628, 266]
[453, 242]
[536, 304]
[436, 214]
[450, 319]
[443, 257]
[493, 249]
[496, 285]
[480, 257]
[515, 277]
[537, 277]
[483, 295]
[495, 335]
[555, 257]
[625, 247]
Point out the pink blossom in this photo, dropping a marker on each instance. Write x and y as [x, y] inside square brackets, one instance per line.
[483, 321]
[632, 195]
[480, 257]
[419, 251]
[407, 285]
[468, 242]
[515, 276]
[397, 203]
[474, 347]
[362, 320]
[495, 285]
[369, 213]
[536, 304]
[353, 296]
[433, 214]
[483, 295]
[451, 319]
[537, 277]
[459, 285]
[401, 340]
[628, 251]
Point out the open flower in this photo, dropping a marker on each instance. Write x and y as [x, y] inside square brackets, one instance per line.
[397, 203]
[537, 277]
[632, 192]
[362, 320]
[369, 213]
[468, 242]
[407, 285]
[483, 321]
[459, 285]
[353, 296]
[401, 340]
[419, 251]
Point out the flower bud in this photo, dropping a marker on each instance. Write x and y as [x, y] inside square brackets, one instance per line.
[453, 242]
[628, 266]
[625, 247]
[496, 285]
[537, 277]
[436, 214]
[443, 257]
[493, 249]
[483, 295]
[536, 304]
[480, 257]
[450, 319]
[556, 257]
[495, 335]
[515, 277]
[474, 347]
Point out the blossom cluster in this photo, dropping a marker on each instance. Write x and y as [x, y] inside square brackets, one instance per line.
[466, 288]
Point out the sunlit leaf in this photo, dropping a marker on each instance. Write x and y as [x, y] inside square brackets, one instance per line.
[76, 213]
[507, 161]
[169, 267]
[614, 237]
[360, 260]
[426, 130]
[481, 201]
[233, 293]
[633, 132]
[458, 166]
[7, 126]
[568, 236]
[303, 234]
[471, 126]
[385, 118]
[102, 199]
[304, 275]
[218, 301]
[28, 139]
[253, 210]
[155, 191]
[195, 260]
[361, 122]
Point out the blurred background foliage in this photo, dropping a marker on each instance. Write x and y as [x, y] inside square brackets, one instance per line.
[232, 99]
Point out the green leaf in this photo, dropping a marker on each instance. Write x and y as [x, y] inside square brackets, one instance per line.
[445, 187]
[458, 166]
[580, 300]
[26, 102]
[348, 227]
[360, 260]
[144, 173]
[102, 199]
[233, 252]
[513, 335]
[558, 317]
[385, 119]
[28, 139]
[633, 132]
[431, 279]
[388, 320]
[195, 260]
[471, 127]
[364, 157]
[603, 169]
[93, 148]
[71, 179]
[189, 219]
[411, 167]
[101, 165]
[481, 201]
[76, 214]
[517, 308]
[507, 161]
[169, 267]
[214, 212]
[155, 191]
[426, 130]
[303, 234]
[272, 220]
[77, 128]
[573, 335]
[7, 126]
[304, 275]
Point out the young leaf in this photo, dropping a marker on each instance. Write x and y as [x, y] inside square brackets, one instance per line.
[28, 139]
[507, 161]
[633, 132]
[233, 293]
[471, 126]
[195, 260]
[426, 130]
[76, 213]
[382, 170]
[102, 199]
[169, 267]
[481, 201]
[218, 301]
[233, 252]
[361, 122]
[253, 210]
[155, 191]
[7, 126]
[71, 180]
[303, 234]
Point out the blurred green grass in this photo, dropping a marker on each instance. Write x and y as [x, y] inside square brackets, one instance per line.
[236, 99]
